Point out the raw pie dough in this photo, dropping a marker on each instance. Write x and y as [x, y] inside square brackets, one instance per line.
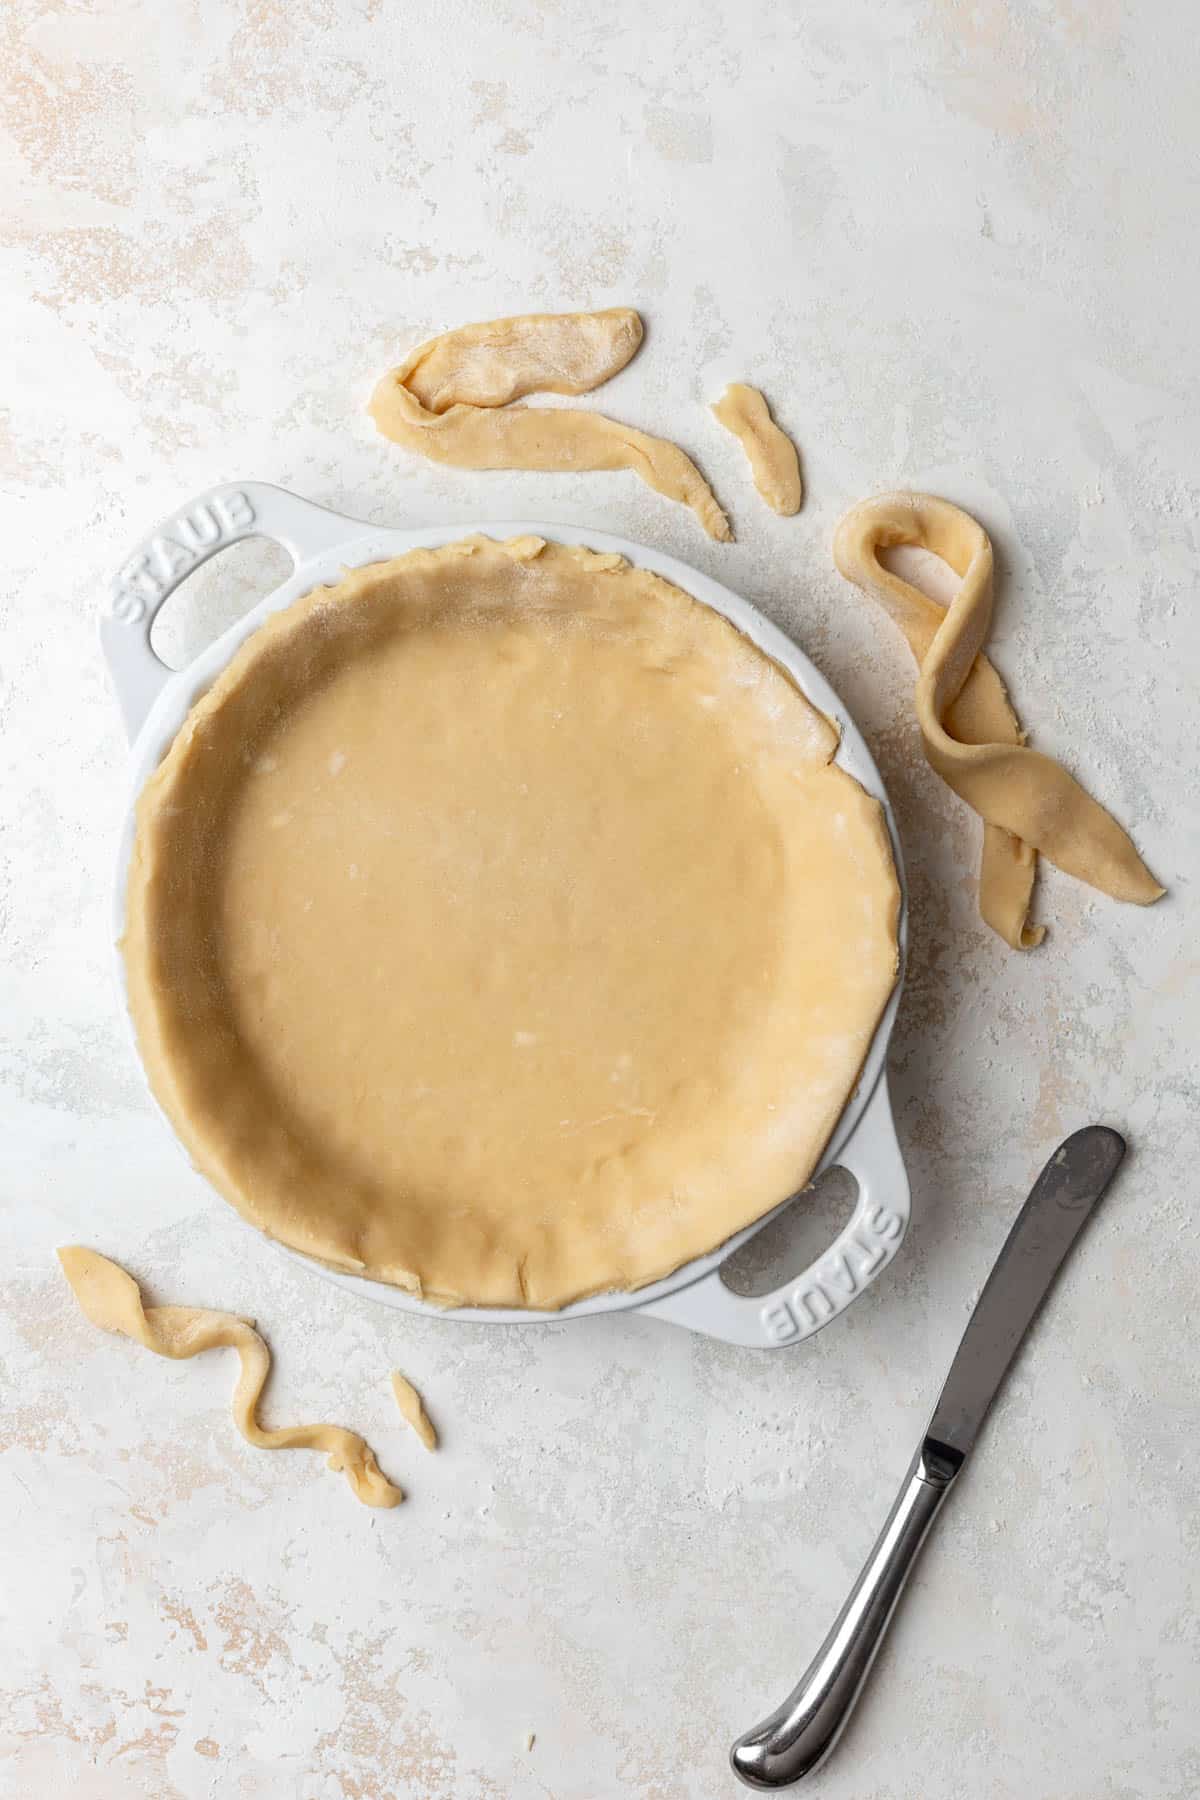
[109, 1296]
[412, 1409]
[770, 452]
[500, 926]
[450, 399]
[969, 730]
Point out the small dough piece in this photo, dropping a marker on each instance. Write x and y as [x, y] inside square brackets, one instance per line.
[969, 730]
[524, 549]
[110, 1298]
[450, 399]
[413, 1408]
[502, 927]
[771, 453]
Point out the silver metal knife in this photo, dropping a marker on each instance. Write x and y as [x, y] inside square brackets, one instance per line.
[799, 1735]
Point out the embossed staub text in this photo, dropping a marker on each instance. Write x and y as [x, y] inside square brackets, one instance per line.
[830, 1285]
[162, 562]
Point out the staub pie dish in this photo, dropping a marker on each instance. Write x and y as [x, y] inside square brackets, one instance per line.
[506, 926]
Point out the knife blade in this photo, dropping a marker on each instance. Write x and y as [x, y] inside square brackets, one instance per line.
[799, 1735]
[1059, 1206]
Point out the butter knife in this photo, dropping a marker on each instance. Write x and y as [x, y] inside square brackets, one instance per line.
[799, 1735]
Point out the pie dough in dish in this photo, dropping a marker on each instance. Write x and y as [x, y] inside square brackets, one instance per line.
[500, 926]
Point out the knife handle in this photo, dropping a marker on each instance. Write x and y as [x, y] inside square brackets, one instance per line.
[799, 1735]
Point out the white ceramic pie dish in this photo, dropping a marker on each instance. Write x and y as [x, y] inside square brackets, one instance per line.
[155, 700]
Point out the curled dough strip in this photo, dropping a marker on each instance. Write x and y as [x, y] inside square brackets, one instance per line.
[449, 400]
[969, 730]
[110, 1298]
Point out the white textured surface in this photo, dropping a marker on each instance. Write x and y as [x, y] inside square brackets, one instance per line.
[956, 245]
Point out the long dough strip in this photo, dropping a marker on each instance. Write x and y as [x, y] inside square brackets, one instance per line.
[969, 730]
[110, 1298]
[449, 401]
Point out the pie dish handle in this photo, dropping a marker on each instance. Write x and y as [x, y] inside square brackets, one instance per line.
[165, 558]
[809, 1300]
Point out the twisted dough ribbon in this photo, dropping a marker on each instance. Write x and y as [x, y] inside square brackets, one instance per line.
[450, 400]
[110, 1298]
[969, 730]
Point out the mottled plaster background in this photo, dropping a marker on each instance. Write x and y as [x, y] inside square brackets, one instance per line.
[957, 246]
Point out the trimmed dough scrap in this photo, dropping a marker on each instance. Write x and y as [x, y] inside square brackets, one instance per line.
[450, 400]
[500, 926]
[110, 1298]
[970, 733]
[772, 456]
[412, 1408]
